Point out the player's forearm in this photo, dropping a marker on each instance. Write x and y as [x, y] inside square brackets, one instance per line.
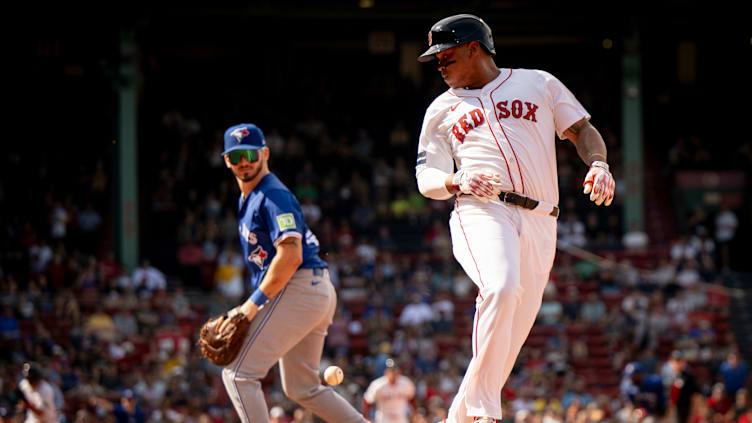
[590, 145]
[282, 268]
[435, 184]
[449, 185]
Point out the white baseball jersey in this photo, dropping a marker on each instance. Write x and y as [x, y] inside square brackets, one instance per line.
[391, 399]
[506, 127]
[42, 398]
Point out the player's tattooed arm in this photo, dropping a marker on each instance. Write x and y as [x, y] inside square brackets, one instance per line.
[587, 140]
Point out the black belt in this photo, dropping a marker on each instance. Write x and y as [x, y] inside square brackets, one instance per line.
[524, 202]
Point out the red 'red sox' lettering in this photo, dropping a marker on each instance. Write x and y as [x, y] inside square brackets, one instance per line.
[464, 124]
[516, 110]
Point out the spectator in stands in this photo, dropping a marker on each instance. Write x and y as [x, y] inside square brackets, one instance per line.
[443, 310]
[593, 310]
[152, 389]
[682, 250]
[575, 393]
[462, 285]
[89, 222]
[664, 273]
[40, 255]
[127, 410]
[416, 313]
[735, 373]
[701, 241]
[59, 219]
[551, 310]
[125, 322]
[228, 277]
[9, 329]
[719, 402]
[726, 224]
[337, 338]
[571, 231]
[635, 239]
[311, 211]
[742, 405]
[100, 324]
[277, 415]
[147, 278]
[572, 304]
[302, 415]
[688, 274]
[645, 390]
[377, 315]
[635, 305]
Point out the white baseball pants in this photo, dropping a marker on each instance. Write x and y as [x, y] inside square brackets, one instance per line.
[508, 252]
[290, 329]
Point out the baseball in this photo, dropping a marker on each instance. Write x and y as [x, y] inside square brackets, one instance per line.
[333, 375]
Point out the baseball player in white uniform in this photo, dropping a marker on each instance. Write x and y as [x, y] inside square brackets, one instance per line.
[391, 394]
[498, 126]
[38, 396]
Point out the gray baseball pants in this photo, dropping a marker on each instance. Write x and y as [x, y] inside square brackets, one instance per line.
[291, 329]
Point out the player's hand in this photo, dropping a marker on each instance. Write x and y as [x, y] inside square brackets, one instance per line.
[249, 311]
[477, 183]
[599, 183]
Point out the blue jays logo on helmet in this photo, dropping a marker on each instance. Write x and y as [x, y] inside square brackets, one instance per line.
[239, 134]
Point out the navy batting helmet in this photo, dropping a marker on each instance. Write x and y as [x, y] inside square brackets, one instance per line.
[455, 30]
[32, 372]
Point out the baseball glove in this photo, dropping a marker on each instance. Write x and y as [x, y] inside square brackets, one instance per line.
[222, 348]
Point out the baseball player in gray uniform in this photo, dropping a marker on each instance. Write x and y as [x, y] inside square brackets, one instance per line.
[293, 301]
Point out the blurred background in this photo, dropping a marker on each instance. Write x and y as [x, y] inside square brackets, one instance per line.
[119, 224]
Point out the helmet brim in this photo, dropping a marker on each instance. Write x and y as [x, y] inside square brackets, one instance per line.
[430, 54]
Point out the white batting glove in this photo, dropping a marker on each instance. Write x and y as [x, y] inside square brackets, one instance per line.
[599, 183]
[476, 183]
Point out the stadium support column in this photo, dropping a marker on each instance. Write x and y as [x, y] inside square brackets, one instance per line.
[632, 134]
[127, 154]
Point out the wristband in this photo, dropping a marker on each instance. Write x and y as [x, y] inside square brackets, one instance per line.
[602, 165]
[457, 179]
[259, 298]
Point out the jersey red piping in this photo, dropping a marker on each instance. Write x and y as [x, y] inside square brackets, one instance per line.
[519, 168]
[497, 143]
[475, 332]
[480, 279]
[456, 210]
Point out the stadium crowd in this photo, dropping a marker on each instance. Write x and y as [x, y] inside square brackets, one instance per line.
[624, 339]
[640, 334]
